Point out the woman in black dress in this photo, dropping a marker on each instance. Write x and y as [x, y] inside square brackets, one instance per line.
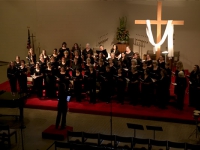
[11, 75]
[100, 70]
[50, 81]
[76, 48]
[162, 90]
[128, 56]
[62, 49]
[124, 60]
[192, 85]
[161, 62]
[103, 51]
[120, 84]
[67, 59]
[63, 77]
[181, 87]
[91, 81]
[115, 51]
[78, 78]
[134, 86]
[77, 56]
[45, 56]
[38, 80]
[22, 72]
[146, 88]
[55, 54]
[149, 61]
[75, 65]
[31, 60]
[87, 51]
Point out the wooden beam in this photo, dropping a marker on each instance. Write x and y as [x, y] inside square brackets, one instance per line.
[163, 22]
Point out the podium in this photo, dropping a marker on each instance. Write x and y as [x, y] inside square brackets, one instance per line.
[122, 47]
[135, 127]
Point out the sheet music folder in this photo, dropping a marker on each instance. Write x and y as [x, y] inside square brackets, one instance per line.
[135, 126]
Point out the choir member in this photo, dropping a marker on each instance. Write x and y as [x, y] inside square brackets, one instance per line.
[45, 56]
[63, 63]
[103, 51]
[179, 67]
[124, 60]
[54, 64]
[163, 89]
[76, 48]
[38, 80]
[91, 87]
[144, 67]
[120, 65]
[146, 88]
[107, 85]
[128, 55]
[87, 65]
[114, 59]
[67, 60]
[77, 55]
[133, 64]
[17, 62]
[91, 58]
[144, 58]
[78, 85]
[168, 75]
[115, 51]
[181, 87]
[100, 70]
[11, 75]
[133, 86]
[22, 72]
[161, 62]
[62, 49]
[149, 61]
[55, 54]
[100, 56]
[63, 77]
[75, 66]
[86, 51]
[155, 71]
[137, 57]
[31, 59]
[197, 91]
[50, 81]
[112, 66]
[62, 106]
[120, 85]
[192, 85]
[42, 63]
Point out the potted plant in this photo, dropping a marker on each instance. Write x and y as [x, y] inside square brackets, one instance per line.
[122, 32]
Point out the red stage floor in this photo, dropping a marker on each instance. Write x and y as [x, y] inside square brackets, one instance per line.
[126, 110]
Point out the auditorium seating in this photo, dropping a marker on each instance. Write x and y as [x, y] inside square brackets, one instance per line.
[122, 142]
[6, 133]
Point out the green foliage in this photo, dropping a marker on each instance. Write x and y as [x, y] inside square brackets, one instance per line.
[122, 32]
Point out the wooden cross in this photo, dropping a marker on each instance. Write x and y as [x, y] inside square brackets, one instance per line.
[159, 22]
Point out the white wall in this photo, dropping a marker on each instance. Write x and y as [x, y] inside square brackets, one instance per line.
[82, 21]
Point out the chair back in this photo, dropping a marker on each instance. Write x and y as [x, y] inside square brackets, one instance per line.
[176, 145]
[107, 137]
[141, 141]
[74, 134]
[5, 128]
[91, 135]
[192, 146]
[157, 143]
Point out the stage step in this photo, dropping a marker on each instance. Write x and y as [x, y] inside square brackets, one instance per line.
[56, 134]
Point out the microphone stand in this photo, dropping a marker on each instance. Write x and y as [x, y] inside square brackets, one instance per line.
[111, 122]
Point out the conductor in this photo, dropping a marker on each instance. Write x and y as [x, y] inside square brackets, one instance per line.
[62, 107]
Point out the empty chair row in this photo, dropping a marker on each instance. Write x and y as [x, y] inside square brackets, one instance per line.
[115, 141]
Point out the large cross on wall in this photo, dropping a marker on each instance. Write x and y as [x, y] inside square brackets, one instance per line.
[159, 22]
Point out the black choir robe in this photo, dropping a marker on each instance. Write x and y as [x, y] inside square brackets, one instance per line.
[12, 77]
[78, 79]
[50, 83]
[91, 85]
[38, 82]
[180, 89]
[192, 87]
[22, 79]
[85, 52]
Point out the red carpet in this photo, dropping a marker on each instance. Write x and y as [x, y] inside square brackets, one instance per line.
[126, 110]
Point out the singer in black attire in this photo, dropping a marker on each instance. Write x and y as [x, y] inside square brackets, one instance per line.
[38, 81]
[22, 71]
[133, 86]
[91, 81]
[121, 84]
[162, 89]
[50, 81]
[62, 106]
[78, 78]
[192, 85]
[11, 75]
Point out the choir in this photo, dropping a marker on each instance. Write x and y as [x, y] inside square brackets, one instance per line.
[146, 82]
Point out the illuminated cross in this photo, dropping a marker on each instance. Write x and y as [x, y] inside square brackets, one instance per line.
[159, 22]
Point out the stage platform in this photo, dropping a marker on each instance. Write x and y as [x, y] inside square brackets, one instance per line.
[170, 114]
